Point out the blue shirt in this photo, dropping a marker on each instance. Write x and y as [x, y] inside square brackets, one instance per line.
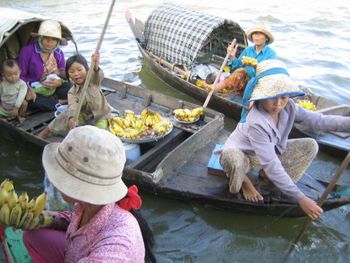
[264, 54]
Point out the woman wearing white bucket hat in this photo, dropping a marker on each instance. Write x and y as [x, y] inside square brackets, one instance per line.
[262, 141]
[86, 167]
[42, 66]
[261, 36]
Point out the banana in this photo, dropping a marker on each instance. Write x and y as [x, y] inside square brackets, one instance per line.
[34, 224]
[40, 204]
[15, 215]
[7, 185]
[26, 220]
[144, 114]
[3, 195]
[12, 199]
[23, 200]
[45, 219]
[5, 214]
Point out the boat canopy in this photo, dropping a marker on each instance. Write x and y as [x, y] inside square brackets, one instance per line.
[180, 36]
[15, 29]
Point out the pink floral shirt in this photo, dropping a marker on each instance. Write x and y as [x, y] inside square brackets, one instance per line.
[113, 235]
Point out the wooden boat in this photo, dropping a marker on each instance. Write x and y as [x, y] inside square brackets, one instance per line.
[176, 165]
[176, 73]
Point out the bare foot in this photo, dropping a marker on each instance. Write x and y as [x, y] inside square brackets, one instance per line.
[62, 101]
[44, 134]
[20, 119]
[249, 191]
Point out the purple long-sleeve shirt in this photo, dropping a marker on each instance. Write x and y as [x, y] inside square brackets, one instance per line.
[259, 135]
[112, 235]
[32, 64]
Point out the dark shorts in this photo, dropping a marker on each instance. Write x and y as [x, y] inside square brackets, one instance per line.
[44, 103]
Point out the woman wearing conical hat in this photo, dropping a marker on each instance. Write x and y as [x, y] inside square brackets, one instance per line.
[261, 142]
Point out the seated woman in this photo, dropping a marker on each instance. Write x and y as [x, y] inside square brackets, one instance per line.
[261, 37]
[95, 109]
[105, 226]
[262, 141]
[42, 66]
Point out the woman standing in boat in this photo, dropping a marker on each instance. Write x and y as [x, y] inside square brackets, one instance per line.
[262, 141]
[42, 66]
[86, 167]
[261, 37]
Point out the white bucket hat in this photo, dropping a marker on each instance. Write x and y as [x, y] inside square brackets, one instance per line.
[50, 28]
[274, 85]
[262, 29]
[87, 165]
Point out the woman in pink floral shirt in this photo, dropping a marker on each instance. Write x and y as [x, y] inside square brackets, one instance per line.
[86, 167]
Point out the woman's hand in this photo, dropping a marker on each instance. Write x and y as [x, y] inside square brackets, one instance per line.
[232, 50]
[310, 208]
[72, 123]
[31, 95]
[96, 58]
[219, 86]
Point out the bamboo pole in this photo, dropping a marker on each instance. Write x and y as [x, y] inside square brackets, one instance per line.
[92, 65]
[323, 197]
[218, 77]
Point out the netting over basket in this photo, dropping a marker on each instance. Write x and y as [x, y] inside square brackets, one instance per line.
[178, 35]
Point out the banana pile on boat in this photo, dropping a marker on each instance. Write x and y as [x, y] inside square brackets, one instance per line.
[19, 212]
[130, 126]
[248, 61]
[307, 104]
[187, 115]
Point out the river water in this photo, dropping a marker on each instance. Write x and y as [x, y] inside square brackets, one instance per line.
[310, 37]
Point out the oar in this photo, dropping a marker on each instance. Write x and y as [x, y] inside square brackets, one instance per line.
[323, 197]
[92, 65]
[218, 77]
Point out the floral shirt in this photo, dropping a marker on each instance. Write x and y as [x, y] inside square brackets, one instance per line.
[112, 235]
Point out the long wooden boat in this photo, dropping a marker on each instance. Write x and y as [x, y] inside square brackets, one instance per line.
[166, 67]
[175, 166]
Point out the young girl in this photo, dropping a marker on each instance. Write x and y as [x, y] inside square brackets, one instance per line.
[12, 92]
[262, 141]
[95, 109]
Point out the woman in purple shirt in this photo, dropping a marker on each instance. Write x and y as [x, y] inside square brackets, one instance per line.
[262, 141]
[42, 67]
[86, 167]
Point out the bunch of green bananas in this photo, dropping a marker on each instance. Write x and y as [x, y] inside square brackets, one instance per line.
[247, 61]
[19, 212]
[188, 115]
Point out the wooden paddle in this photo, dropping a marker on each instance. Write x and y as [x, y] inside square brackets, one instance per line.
[218, 77]
[323, 197]
[92, 65]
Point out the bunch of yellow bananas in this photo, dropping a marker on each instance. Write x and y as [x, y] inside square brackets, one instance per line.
[306, 104]
[188, 115]
[247, 61]
[150, 117]
[133, 127]
[19, 212]
[161, 128]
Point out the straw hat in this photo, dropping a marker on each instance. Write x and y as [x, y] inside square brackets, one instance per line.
[262, 29]
[87, 165]
[50, 28]
[274, 85]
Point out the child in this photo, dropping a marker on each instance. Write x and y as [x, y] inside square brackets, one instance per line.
[95, 109]
[12, 92]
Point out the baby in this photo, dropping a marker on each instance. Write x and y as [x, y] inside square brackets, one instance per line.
[12, 92]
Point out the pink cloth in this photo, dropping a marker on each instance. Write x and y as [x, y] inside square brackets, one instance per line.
[113, 235]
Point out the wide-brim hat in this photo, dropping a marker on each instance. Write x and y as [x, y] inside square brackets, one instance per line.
[87, 165]
[262, 29]
[50, 28]
[274, 85]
